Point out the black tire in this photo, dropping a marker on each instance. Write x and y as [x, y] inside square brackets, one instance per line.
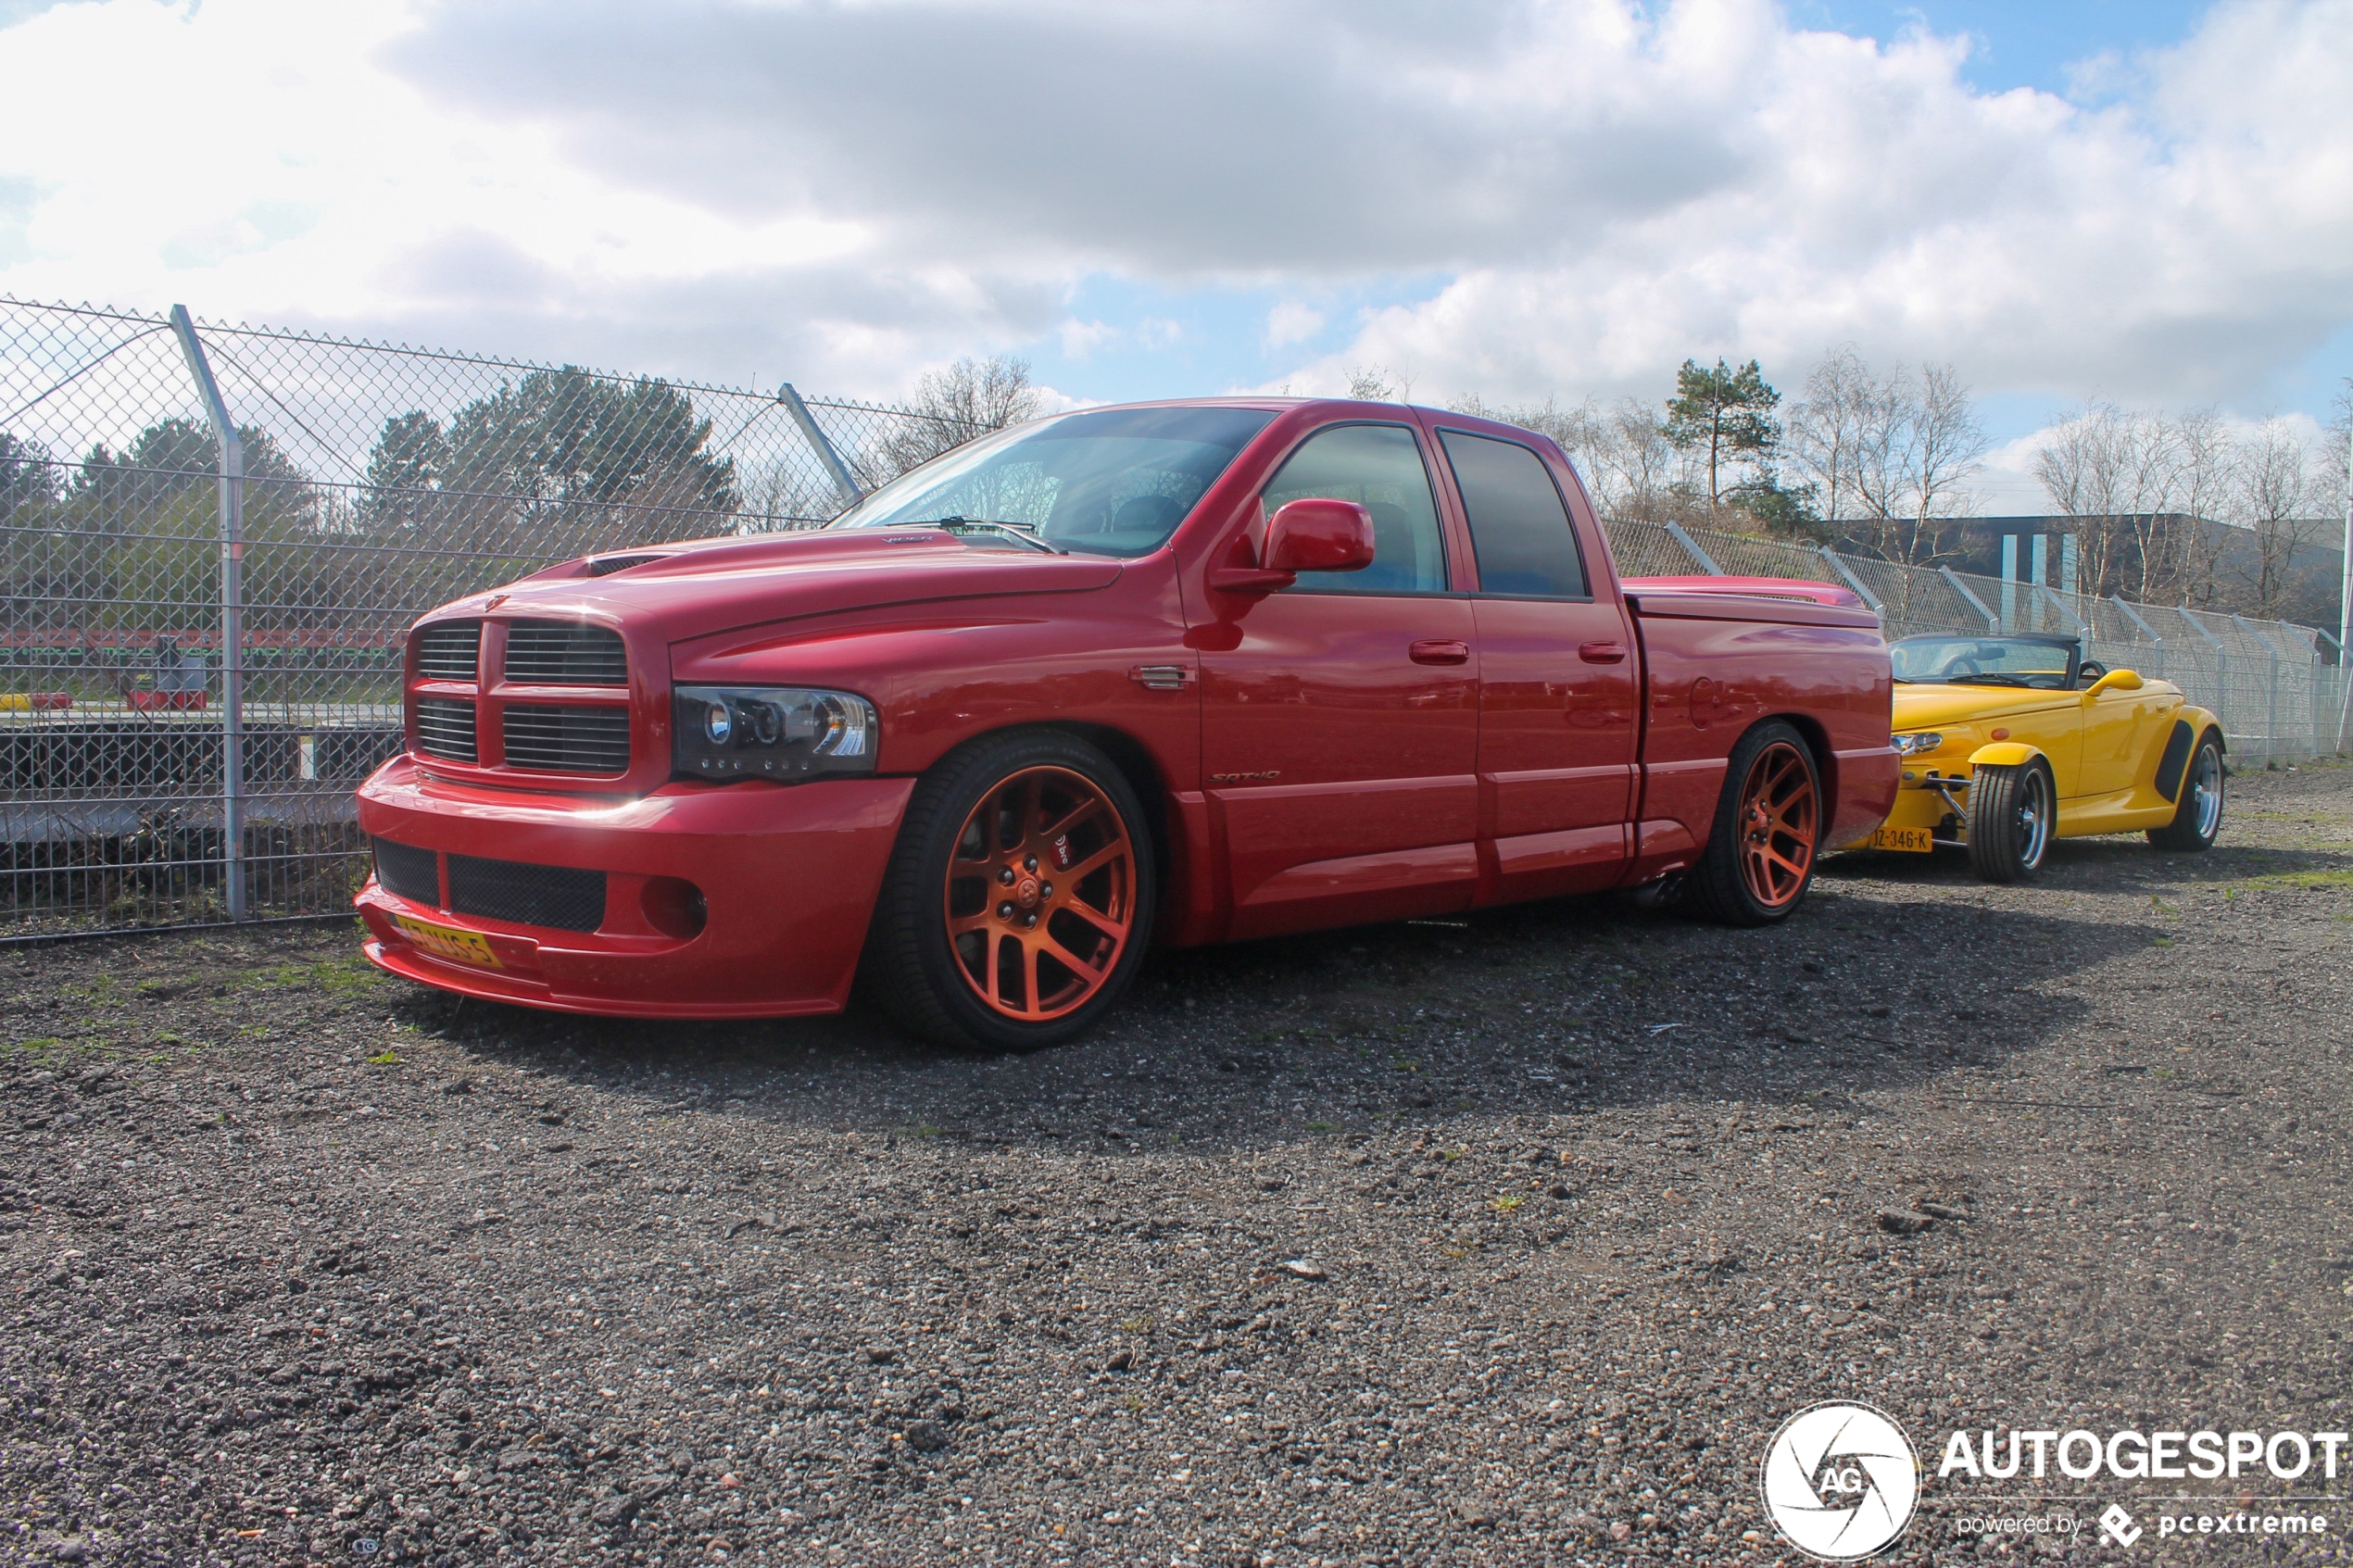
[2197, 816]
[914, 970]
[1757, 871]
[2013, 814]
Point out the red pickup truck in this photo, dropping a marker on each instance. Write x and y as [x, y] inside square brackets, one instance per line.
[1179, 672]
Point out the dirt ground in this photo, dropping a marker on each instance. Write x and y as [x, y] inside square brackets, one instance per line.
[1507, 1239]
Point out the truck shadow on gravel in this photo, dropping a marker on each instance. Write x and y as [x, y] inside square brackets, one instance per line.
[1535, 1010]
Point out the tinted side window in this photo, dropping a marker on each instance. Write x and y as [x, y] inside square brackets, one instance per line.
[1519, 529]
[1380, 468]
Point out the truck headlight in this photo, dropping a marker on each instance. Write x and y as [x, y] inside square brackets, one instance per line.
[772, 732]
[1918, 745]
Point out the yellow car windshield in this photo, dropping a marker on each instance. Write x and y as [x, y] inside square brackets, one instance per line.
[2045, 664]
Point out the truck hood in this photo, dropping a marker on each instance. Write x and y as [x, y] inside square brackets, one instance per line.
[1924, 706]
[711, 585]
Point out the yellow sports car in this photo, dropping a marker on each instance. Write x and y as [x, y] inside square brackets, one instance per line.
[2009, 742]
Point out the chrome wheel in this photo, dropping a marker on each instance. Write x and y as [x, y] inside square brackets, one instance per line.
[2205, 792]
[2035, 815]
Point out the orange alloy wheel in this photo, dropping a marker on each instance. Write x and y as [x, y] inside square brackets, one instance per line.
[1777, 826]
[1041, 894]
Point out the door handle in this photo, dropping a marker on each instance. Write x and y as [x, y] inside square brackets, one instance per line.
[1601, 653]
[1440, 651]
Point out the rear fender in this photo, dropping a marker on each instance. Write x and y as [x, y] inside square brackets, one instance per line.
[2005, 754]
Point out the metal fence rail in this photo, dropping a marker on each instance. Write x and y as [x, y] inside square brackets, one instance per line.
[213, 536]
[2279, 687]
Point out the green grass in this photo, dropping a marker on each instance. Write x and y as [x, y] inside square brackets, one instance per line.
[1323, 1126]
[2301, 879]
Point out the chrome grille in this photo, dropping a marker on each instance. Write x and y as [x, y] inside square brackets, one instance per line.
[567, 740]
[559, 653]
[446, 729]
[451, 651]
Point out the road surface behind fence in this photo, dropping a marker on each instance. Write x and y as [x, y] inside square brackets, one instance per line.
[163, 597]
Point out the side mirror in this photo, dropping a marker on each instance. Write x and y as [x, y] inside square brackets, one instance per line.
[1313, 533]
[2115, 679]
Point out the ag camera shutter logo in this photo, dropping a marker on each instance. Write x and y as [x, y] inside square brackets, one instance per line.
[1841, 1481]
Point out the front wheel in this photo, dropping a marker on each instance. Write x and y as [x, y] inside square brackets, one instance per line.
[2012, 813]
[1759, 859]
[2197, 819]
[1019, 897]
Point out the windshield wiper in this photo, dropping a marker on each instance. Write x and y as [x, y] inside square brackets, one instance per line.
[1020, 533]
[1988, 681]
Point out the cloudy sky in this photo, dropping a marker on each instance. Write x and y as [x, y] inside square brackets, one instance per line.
[2146, 200]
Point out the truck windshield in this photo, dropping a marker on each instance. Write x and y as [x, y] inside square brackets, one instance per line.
[1109, 481]
[2048, 665]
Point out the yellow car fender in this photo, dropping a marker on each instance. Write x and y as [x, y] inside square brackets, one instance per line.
[2003, 754]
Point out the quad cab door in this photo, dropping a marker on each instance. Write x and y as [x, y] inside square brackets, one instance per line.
[1557, 675]
[1340, 718]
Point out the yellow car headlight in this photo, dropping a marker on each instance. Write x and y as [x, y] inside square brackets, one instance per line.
[1917, 744]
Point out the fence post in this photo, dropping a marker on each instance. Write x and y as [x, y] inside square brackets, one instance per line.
[2121, 602]
[838, 470]
[1854, 581]
[1993, 621]
[2344, 691]
[1690, 546]
[2273, 649]
[232, 611]
[2061, 605]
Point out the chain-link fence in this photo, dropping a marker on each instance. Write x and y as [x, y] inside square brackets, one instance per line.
[195, 672]
[377, 481]
[2278, 686]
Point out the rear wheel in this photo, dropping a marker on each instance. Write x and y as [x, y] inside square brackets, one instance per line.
[1019, 897]
[2198, 818]
[2012, 811]
[1759, 859]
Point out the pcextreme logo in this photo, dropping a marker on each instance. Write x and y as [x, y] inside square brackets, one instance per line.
[1841, 1481]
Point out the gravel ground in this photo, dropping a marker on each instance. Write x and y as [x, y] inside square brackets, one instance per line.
[1507, 1239]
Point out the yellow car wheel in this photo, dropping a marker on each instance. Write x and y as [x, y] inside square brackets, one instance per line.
[2198, 816]
[2012, 813]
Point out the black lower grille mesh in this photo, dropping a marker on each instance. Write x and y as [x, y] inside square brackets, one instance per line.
[552, 896]
[409, 872]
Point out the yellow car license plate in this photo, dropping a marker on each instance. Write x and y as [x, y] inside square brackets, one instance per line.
[466, 947]
[1918, 840]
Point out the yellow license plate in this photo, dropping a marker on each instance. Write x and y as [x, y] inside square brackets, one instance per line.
[466, 947]
[1917, 840]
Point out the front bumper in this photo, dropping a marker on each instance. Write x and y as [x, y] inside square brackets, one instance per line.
[788, 875]
[1944, 812]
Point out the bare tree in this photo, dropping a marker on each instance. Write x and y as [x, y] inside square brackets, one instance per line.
[970, 398]
[2111, 472]
[1891, 458]
[1944, 452]
[2177, 552]
[2274, 495]
[1826, 431]
[1378, 384]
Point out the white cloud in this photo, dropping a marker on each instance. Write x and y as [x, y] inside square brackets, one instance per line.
[1588, 190]
[1291, 322]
